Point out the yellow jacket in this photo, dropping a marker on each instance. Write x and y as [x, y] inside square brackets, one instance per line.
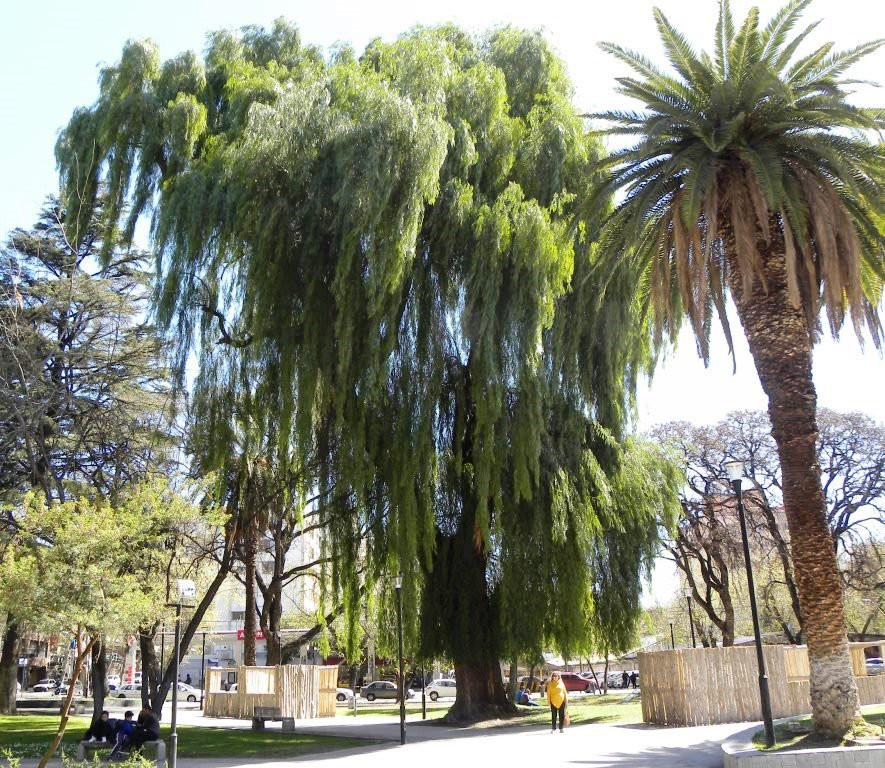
[556, 693]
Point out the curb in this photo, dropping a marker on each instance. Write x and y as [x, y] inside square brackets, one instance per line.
[739, 752]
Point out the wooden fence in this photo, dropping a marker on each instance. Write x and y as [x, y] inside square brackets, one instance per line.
[702, 686]
[299, 690]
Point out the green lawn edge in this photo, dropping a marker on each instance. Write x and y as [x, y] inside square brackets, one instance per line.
[794, 734]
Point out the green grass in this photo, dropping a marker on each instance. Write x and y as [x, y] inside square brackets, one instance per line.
[796, 733]
[585, 709]
[29, 735]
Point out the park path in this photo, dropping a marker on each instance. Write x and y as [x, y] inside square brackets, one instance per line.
[429, 746]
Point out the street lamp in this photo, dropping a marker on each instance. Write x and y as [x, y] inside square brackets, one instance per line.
[186, 590]
[735, 470]
[672, 638]
[690, 618]
[398, 586]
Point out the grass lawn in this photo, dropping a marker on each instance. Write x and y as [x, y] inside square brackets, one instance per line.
[581, 709]
[795, 734]
[30, 735]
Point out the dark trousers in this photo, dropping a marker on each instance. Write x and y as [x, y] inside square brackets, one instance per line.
[561, 712]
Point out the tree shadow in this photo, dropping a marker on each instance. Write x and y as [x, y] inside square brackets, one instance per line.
[706, 754]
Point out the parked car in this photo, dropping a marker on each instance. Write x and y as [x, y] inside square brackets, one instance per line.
[574, 682]
[188, 692]
[128, 691]
[343, 694]
[593, 685]
[62, 689]
[46, 685]
[440, 688]
[875, 665]
[382, 689]
[113, 682]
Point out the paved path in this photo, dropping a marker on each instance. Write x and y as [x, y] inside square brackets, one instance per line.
[431, 746]
[591, 745]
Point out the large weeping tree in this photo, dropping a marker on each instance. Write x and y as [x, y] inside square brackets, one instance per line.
[390, 251]
[752, 178]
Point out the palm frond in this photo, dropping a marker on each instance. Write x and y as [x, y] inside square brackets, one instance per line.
[787, 53]
[745, 50]
[775, 33]
[723, 39]
[680, 54]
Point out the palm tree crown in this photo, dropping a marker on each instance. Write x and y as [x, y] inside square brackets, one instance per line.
[753, 143]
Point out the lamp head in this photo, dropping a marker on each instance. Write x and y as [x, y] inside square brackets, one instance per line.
[398, 582]
[734, 470]
[688, 593]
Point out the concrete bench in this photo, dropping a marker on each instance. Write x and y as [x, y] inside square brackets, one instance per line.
[85, 749]
[262, 714]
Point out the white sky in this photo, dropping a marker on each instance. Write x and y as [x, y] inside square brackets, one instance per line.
[51, 51]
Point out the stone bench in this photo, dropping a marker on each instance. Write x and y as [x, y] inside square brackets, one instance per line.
[261, 714]
[85, 749]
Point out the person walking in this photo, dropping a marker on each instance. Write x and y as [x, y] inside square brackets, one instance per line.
[625, 679]
[557, 697]
[633, 678]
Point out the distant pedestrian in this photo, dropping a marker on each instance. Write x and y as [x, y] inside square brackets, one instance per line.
[633, 678]
[625, 679]
[188, 680]
[557, 697]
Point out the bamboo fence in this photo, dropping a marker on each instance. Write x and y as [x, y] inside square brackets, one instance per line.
[300, 691]
[703, 686]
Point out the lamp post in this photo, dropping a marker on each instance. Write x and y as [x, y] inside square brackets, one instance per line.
[735, 470]
[672, 638]
[690, 618]
[398, 586]
[186, 589]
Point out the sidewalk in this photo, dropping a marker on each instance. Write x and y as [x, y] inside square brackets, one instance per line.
[430, 745]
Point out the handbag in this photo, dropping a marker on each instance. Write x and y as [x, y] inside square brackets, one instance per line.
[566, 719]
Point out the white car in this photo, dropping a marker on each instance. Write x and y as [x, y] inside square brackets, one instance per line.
[113, 682]
[188, 692]
[128, 691]
[875, 665]
[343, 694]
[440, 689]
[46, 685]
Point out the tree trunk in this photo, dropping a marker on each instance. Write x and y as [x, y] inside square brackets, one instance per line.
[461, 613]
[780, 343]
[99, 678]
[250, 624]
[9, 666]
[82, 652]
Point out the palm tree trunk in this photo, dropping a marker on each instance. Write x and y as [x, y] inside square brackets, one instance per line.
[780, 343]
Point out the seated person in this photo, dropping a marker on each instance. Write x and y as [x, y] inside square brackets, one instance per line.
[125, 732]
[146, 729]
[100, 730]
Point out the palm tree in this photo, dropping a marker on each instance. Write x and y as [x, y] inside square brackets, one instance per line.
[750, 176]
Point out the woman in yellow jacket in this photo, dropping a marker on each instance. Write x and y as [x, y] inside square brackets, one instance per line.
[557, 697]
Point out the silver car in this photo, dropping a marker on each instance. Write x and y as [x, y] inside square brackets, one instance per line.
[382, 689]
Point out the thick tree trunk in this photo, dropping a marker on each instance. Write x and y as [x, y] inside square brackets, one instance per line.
[462, 613]
[9, 666]
[99, 678]
[780, 343]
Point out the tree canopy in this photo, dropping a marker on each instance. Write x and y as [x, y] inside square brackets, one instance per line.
[390, 251]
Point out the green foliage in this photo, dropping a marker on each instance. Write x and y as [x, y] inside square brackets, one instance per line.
[393, 252]
[752, 145]
[80, 369]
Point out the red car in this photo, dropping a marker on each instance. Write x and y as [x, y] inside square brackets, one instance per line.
[574, 682]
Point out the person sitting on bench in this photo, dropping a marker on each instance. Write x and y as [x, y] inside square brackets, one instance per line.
[100, 730]
[147, 728]
[125, 732]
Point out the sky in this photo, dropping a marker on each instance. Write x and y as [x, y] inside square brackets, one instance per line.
[51, 53]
